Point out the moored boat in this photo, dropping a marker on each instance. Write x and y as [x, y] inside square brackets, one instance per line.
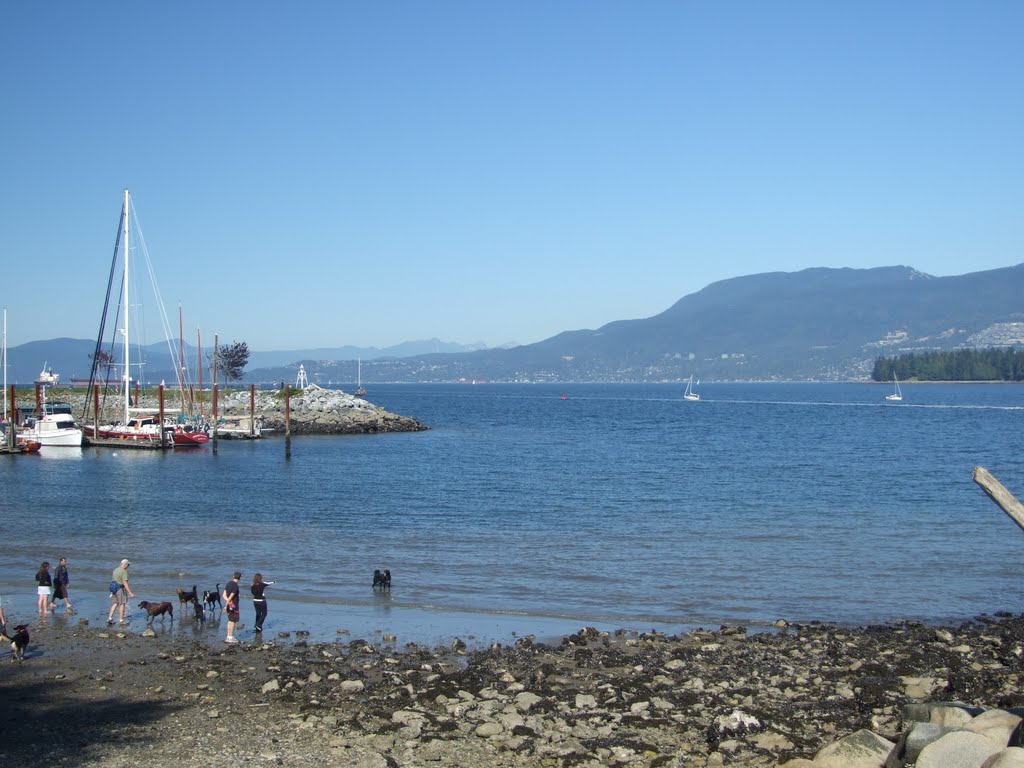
[137, 427]
[55, 430]
[188, 435]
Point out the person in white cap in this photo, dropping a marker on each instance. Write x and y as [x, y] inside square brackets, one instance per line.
[120, 595]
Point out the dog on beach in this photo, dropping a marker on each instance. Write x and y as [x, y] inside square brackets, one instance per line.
[199, 614]
[188, 597]
[382, 579]
[212, 599]
[18, 641]
[157, 609]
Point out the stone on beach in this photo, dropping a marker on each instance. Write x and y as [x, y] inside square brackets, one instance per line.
[862, 749]
[645, 700]
[959, 749]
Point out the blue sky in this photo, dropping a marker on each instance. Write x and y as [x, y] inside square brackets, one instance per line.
[329, 173]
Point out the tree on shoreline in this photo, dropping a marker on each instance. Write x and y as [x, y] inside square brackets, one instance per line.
[231, 359]
[991, 364]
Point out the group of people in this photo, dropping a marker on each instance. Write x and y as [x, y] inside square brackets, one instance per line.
[53, 587]
[120, 591]
[258, 600]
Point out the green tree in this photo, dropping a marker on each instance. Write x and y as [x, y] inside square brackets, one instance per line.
[232, 359]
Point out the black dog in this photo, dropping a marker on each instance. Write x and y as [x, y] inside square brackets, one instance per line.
[19, 642]
[188, 597]
[382, 579]
[212, 599]
[157, 609]
[198, 614]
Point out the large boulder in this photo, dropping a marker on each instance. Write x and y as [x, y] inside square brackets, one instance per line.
[959, 749]
[862, 749]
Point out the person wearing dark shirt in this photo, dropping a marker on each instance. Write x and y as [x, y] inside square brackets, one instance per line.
[258, 600]
[231, 606]
[61, 582]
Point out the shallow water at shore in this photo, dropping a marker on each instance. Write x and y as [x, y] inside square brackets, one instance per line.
[519, 512]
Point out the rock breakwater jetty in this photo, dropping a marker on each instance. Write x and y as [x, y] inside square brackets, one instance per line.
[314, 411]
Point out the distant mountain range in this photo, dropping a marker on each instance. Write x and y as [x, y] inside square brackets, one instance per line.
[820, 324]
[72, 358]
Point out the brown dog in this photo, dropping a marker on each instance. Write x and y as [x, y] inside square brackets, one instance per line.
[157, 609]
[188, 597]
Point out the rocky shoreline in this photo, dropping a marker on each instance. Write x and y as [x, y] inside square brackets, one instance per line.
[313, 410]
[96, 696]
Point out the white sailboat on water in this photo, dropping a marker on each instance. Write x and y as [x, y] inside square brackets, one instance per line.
[359, 378]
[689, 394]
[896, 395]
[139, 426]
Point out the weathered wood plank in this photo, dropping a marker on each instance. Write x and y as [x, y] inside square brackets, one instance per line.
[998, 493]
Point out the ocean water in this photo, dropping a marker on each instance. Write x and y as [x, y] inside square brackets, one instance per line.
[519, 512]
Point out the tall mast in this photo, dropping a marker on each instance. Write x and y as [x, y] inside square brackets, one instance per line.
[4, 361]
[127, 346]
[199, 367]
[181, 359]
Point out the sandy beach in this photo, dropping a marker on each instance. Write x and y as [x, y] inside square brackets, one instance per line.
[97, 696]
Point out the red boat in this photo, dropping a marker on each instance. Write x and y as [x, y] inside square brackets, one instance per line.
[187, 435]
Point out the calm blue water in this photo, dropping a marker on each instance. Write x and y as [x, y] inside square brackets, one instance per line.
[622, 506]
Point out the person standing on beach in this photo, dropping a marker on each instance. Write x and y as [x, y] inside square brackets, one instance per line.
[258, 600]
[61, 582]
[45, 583]
[231, 606]
[121, 595]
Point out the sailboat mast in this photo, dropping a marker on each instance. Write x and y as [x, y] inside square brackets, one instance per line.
[4, 361]
[181, 360]
[199, 367]
[127, 346]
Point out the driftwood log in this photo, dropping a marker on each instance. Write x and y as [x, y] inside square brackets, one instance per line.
[998, 493]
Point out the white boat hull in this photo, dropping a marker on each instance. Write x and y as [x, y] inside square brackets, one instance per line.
[57, 431]
[65, 438]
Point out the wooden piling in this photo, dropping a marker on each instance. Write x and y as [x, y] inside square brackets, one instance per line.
[12, 435]
[214, 395]
[96, 410]
[252, 410]
[287, 421]
[163, 432]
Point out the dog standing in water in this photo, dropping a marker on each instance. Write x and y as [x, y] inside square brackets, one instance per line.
[212, 599]
[19, 642]
[188, 597]
[157, 609]
[382, 579]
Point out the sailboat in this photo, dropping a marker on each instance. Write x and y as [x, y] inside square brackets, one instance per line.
[138, 426]
[359, 378]
[689, 394]
[896, 395]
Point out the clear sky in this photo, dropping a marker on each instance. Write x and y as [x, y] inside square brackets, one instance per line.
[329, 173]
